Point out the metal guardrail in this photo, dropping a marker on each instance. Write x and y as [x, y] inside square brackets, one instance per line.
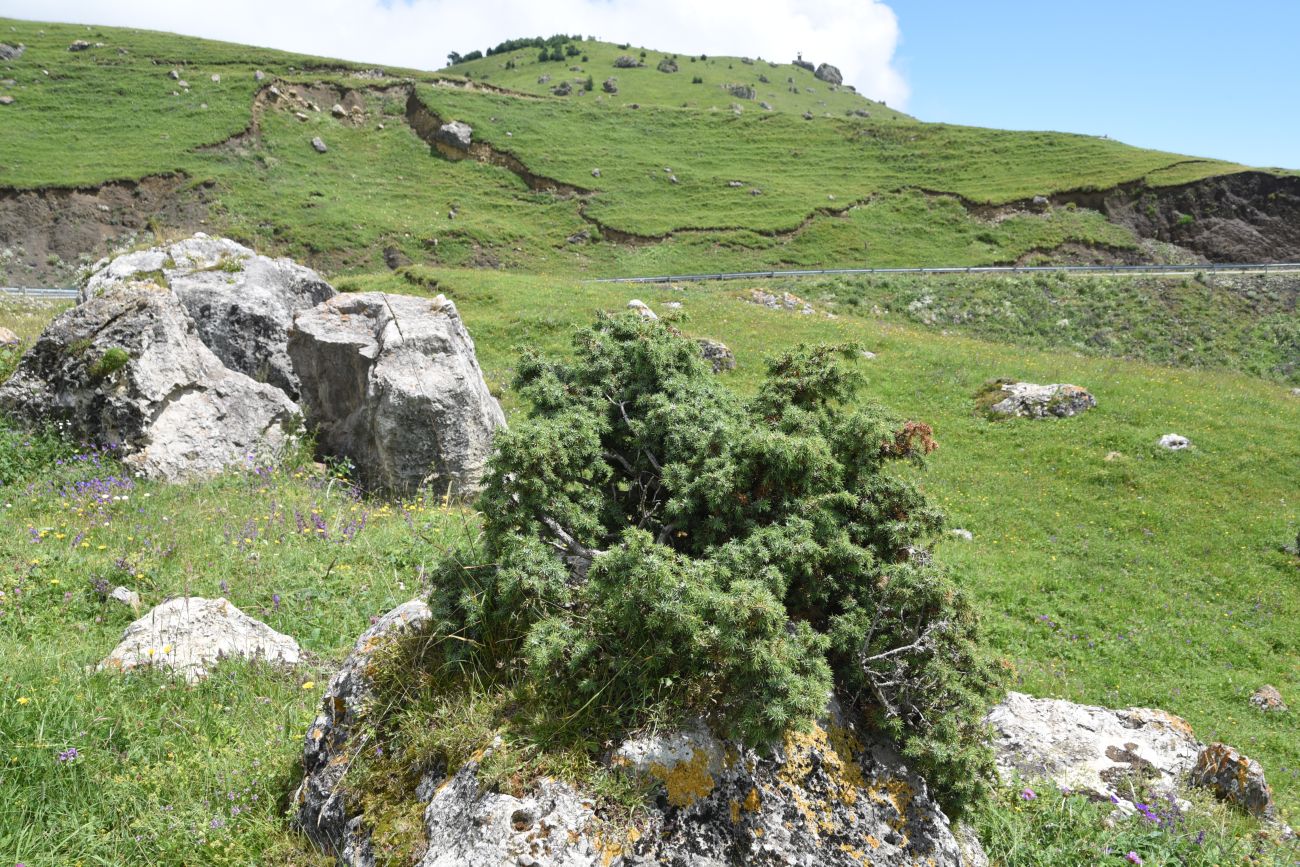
[39, 292]
[987, 269]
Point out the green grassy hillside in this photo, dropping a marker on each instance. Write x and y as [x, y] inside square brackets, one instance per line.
[685, 183]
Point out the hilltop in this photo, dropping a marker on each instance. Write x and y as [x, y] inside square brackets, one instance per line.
[143, 131]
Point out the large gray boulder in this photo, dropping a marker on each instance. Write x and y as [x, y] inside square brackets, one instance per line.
[243, 304]
[190, 635]
[392, 382]
[11, 52]
[322, 808]
[128, 369]
[829, 74]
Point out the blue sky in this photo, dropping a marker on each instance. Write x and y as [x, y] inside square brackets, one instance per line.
[1195, 77]
[1209, 79]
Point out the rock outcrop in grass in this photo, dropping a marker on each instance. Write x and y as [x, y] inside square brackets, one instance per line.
[127, 369]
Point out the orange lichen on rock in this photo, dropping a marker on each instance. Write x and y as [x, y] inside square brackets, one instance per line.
[686, 782]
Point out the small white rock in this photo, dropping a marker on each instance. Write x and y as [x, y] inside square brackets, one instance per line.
[1174, 442]
[642, 308]
[963, 534]
[126, 596]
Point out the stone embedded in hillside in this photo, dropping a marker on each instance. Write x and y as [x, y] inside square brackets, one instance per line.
[861, 112]
[717, 354]
[642, 309]
[1268, 699]
[543, 79]
[6, 100]
[1028, 400]
[667, 65]
[829, 74]
[784, 301]
[319, 145]
[610, 85]
[127, 368]
[8, 338]
[216, 78]
[174, 75]
[741, 91]
[1295, 392]
[595, 173]
[1092, 749]
[626, 61]
[79, 45]
[323, 810]
[563, 89]
[392, 382]
[338, 110]
[802, 64]
[1174, 442]
[190, 635]
[259, 75]
[11, 52]
[1235, 778]
[243, 304]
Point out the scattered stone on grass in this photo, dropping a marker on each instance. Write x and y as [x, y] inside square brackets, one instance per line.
[6, 100]
[1028, 400]
[717, 354]
[667, 65]
[1235, 778]
[784, 301]
[11, 52]
[829, 74]
[1174, 442]
[79, 45]
[626, 61]
[965, 535]
[190, 635]
[456, 134]
[642, 309]
[126, 596]
[8, 338]
[1268, 699]
[319, 144]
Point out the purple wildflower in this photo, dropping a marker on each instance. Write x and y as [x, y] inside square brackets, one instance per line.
[69, 755]
[1028, 794]
[1134, 858]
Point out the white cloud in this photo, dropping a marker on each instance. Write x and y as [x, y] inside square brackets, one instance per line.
[858, 36]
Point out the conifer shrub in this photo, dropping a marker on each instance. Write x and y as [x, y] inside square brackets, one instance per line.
[659, 548]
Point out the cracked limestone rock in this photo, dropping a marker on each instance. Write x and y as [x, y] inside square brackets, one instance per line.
[1040, 401]
[392, 382]
[127, 369]
[323, 811]
[190, 635]
[242, 303]
[1092, 749]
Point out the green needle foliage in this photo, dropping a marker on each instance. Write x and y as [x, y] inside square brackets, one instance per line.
[663, 548]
